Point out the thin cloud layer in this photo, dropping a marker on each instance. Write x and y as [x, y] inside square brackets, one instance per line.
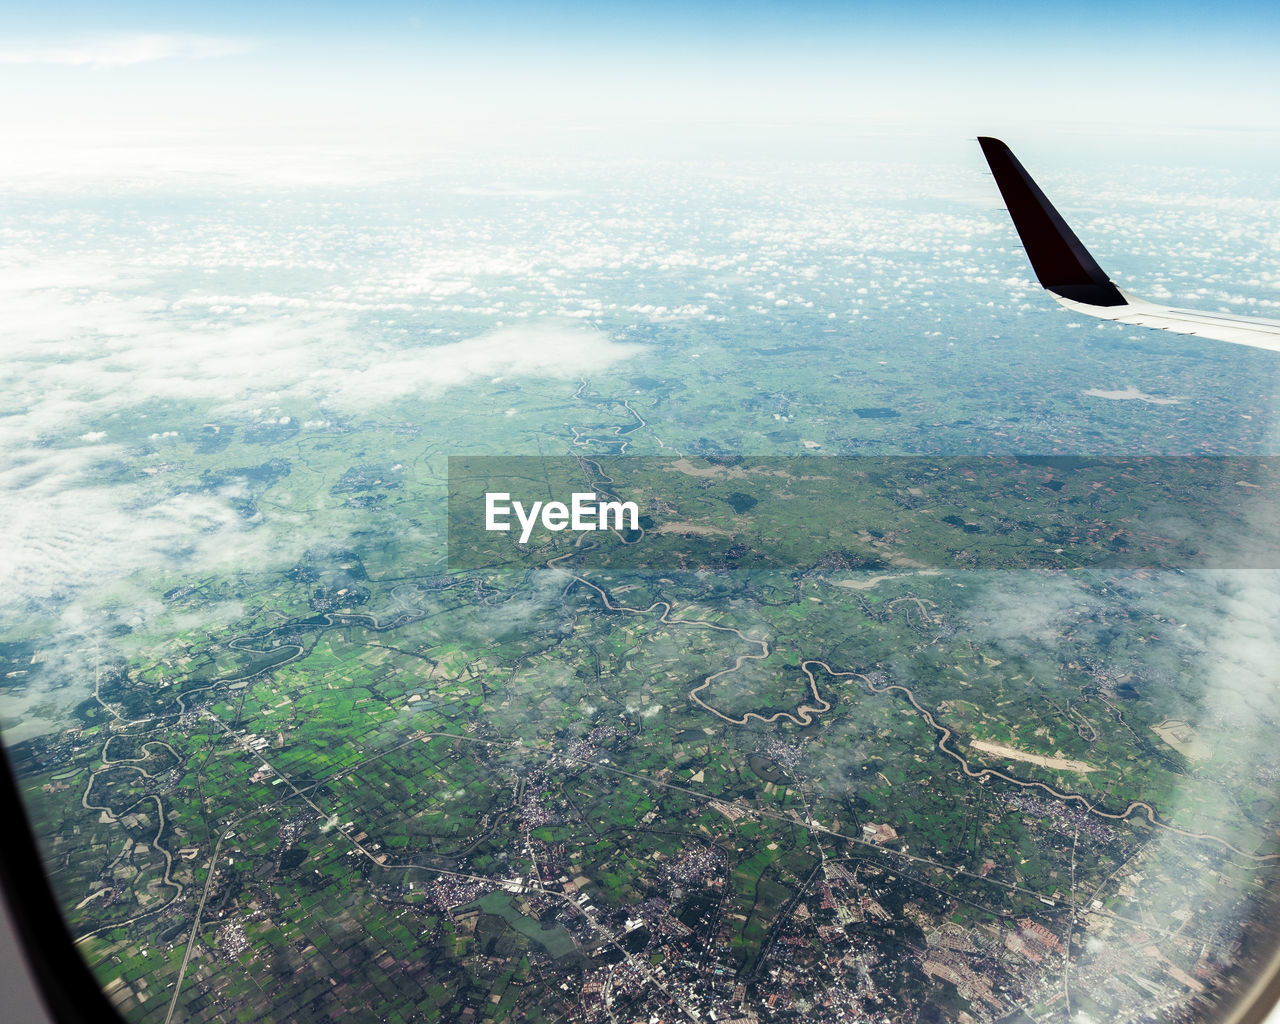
[78, 354]
[115, 51]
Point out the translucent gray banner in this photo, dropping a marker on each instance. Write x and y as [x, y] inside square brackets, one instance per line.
[730, 513]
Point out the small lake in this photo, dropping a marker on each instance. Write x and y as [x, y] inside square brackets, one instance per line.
[555, 939]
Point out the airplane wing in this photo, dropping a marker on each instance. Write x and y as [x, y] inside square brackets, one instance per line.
[1073, 277]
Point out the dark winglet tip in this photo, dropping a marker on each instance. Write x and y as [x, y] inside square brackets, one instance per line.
[1059, 259]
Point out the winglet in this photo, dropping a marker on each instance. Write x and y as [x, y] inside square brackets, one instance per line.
[1060, 261]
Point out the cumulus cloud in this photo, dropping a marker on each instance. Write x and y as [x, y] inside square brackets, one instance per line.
[547, 349]
[121, 50]
[67, 533]
[80, 346]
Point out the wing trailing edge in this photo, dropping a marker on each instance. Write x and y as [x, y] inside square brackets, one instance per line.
[1073, 277]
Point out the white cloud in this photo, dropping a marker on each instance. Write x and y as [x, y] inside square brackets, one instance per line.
[67, 534]
[78, 351]
[115, 51]
[542, 349]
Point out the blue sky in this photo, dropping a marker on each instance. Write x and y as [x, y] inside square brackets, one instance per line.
[458, 74]
[485, 23]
